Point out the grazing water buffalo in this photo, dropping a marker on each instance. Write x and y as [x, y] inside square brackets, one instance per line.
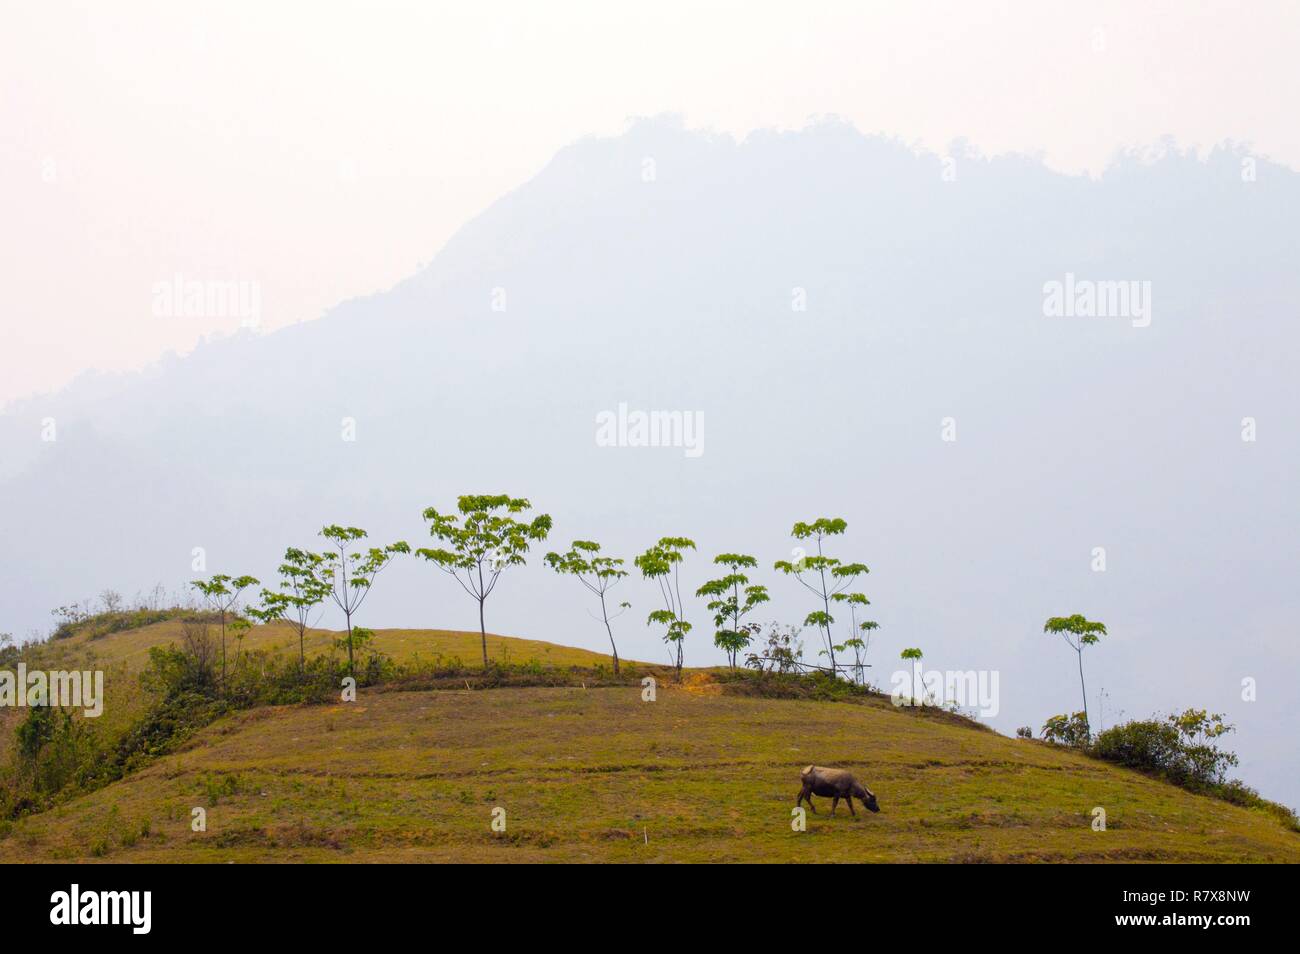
[834, 784]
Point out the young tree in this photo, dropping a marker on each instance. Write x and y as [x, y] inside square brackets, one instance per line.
[239, 628]
[860, 647]
[301, 591]
[199, 650]
[111, 600]
[913, 655]
[830, 576]
[596, 573]
[855, 602]
[662, 563]
[346, 575]
[727, 604]
[1077, 631]
[221, 592]
[481, 542]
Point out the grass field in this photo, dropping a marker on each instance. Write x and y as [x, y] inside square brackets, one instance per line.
[599, 774]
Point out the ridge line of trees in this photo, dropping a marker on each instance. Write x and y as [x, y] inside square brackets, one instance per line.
[486, 534]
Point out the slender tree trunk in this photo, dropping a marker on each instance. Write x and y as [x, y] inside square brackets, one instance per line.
[1084, 690]
[223, 652]
[826, 602]
[351, 668]
[681, 608]
[482, 629]
[735, 624]
[605, 615]
[343, 565]
[302, 649]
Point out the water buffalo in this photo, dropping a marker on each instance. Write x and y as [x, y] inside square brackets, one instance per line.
[835, 784]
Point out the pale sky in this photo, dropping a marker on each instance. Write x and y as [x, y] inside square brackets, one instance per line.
[326, 150]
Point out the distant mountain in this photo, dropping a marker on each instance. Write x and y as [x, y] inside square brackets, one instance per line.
[665, 270]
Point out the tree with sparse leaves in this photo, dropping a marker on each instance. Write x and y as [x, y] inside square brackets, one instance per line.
[301, 592]
[827, 578]
[1077, 631]
[859, 645]
[481, 542]
[221, 592]
[111, 600]
[731, 597]
[597, 573]
[662, 563]
[348, 569]
[913, 655]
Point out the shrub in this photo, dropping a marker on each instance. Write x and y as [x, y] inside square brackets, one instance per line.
[1180, 748]
[1071, 730]
[780, 652]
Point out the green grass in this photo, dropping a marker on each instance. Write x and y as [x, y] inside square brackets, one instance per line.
[599, 775]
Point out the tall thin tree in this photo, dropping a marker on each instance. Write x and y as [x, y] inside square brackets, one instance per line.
[821, 575]
[349, 571]
[914, 655]
[731, 597]
[1077, 631]
[482, 541]
[221, 592]
[662, 563]
[301, 592]
[596, 573]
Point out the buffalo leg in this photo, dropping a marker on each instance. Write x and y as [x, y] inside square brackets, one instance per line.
[834, 803]
[806, 794]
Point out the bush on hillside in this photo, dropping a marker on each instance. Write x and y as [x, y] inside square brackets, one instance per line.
[1180, 748]
[1071, 730]
[53, 751]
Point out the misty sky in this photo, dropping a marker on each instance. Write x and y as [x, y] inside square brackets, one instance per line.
[326, 150]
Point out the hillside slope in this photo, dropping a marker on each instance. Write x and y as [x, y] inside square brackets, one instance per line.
[599, 774]
[131, 647]
[123, 655]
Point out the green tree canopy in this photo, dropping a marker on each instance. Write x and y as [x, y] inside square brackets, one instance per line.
[301, 591]
[597, 573]
[662, 563]
[824, 576]
[349, 569]
[221, 592]
[731, 598]
[481, 540]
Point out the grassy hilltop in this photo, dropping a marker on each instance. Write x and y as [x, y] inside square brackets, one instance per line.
[706, 772]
